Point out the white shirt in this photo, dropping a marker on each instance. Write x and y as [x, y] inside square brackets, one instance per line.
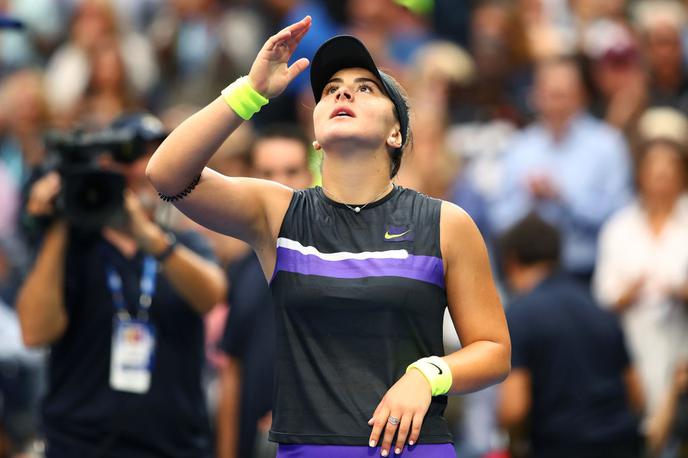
[656, 325]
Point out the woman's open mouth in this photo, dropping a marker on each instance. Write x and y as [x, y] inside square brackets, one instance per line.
[342, 112]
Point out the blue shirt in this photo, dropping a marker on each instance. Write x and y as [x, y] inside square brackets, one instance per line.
[590, 168]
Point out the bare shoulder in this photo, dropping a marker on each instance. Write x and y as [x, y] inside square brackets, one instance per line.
[454, 217]
[458, 231]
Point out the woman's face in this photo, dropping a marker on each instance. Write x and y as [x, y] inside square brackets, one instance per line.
[353, 109]
[661, 174]
[108, 69]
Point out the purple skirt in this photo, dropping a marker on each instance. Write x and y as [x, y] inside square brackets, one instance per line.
[358, 451]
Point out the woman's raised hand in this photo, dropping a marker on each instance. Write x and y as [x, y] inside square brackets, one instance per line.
[269, 73]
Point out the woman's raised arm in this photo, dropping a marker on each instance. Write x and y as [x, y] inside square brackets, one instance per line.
[245, 208]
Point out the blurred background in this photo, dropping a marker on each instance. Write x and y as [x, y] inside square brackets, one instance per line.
[573, 110]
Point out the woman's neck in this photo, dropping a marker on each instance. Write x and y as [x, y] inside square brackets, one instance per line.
[356, 178]
[658, 212]
[659, 206]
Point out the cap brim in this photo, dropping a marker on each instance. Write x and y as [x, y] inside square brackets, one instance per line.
[342, 51]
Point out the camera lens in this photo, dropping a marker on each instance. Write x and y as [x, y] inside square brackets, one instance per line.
[92, 197]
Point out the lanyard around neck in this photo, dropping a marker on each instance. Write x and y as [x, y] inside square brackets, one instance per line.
[147, 288]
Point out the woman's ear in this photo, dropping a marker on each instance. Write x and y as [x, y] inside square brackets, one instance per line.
[394, 139]
[316, 145]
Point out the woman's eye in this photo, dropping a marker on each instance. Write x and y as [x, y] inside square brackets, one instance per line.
[331, 90]
[365, 88]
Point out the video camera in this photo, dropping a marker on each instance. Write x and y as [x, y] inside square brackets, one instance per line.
[92, 195]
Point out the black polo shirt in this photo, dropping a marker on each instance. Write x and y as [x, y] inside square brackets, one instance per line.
[576, 355]
[83, 416]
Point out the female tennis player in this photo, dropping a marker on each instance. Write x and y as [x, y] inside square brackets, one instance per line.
[361, 270]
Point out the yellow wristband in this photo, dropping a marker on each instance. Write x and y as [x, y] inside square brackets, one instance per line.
[418, 6]
[243, 99]
[437, 373]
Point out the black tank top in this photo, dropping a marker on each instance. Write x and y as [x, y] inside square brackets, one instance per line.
[358, 297]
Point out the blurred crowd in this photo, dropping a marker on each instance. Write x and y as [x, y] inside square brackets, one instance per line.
[569, 112]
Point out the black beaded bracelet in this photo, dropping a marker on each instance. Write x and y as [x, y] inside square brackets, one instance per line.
[182, 194]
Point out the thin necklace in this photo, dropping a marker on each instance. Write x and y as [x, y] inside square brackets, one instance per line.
[357, 209]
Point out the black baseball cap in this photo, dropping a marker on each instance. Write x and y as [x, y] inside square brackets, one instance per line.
[346, 51]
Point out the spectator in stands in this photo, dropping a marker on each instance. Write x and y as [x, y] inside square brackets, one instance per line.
[570, 168]
[668, 429]
[21, 379]
[500, 47]
[642, 271]
[109, 92]
[620, 81]
[280, 153]
[121, 309]
[570, 373]
[661, 24]
[590, 10]
[544, 24]
[437, 69]
[440, 70]
[661, 123]
[68, 72]
[27, 116]
[195, 40]
[22, 153]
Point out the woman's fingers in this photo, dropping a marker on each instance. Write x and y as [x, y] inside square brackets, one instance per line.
[407, 423]
[393, 421]
[290, 35]
[377, 409]
[276, 39]
[379, 422]
[298, 27]
[269, 73]
[415, 429]
[404, 427]
[297, 36]
[297, 67]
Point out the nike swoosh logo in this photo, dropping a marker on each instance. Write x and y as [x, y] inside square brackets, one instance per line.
[389, 236]
[438, 367]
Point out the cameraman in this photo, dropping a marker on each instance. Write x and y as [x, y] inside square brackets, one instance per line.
[121, 308]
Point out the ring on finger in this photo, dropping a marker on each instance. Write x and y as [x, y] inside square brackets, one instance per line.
[393, 420]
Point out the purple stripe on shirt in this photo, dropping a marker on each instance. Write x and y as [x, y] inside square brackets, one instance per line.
[424, 268]
[357, 451]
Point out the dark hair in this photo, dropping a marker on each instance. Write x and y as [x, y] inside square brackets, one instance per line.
[281, 131]
[402, 109]
[530, 241]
